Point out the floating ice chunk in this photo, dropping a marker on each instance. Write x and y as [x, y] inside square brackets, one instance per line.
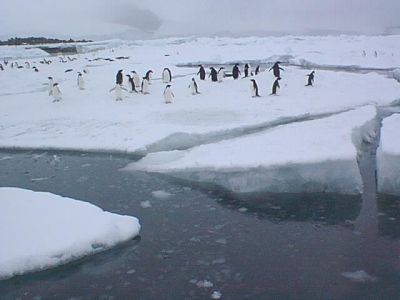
[359, 276]
[145, 204]
[388, 157]
[161, 194]
[204, 284]
[313, 156]
[216, 295]
[51, 230]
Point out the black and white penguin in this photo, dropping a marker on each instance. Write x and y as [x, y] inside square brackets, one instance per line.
[80, 81]
[168, 94]
[257, 70]
[310, 80]
[56, 92]
[213, 75]
[149, 76]
[254, 88]
[235, 71]
[275, 86]
[145, 86]
[136, 79]
[118, 91]
[193, 87]
[1, 67]
[221, 74]
[277, 69]
[166, 75]
[35, 69]
[202, 73]
[119, 77]
[247, 70]
[132, 87]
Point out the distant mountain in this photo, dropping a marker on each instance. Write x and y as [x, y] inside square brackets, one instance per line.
[38, 40]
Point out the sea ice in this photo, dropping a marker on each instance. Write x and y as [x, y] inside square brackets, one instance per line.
[41, 230]
[313, 156]
[388, 156]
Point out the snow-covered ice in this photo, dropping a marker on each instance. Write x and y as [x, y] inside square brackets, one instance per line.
[312, 156]
[388, 156]
[91, 120]
[42, 230]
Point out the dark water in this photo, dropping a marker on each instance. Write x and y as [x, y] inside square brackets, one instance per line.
[248, 247]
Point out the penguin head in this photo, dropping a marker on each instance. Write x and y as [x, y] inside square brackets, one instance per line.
[55, 84]
[134, 72]
[129, 76]
[120, 71]
[49, 78]
[79, 74]
[193, 79]
[168, 86]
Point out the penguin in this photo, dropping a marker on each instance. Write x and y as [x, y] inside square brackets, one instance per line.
[35, 69]
[220, 74]
[254, 88]
[166, 75]
[50, 85]
[149, 75]
[136, 79]
[119, 77]
[1, 67]
[213, 75]
[118, 91]
[80, 81]
[257, 70]
[145, 86]
[202, 73]
[235, 72]
[247, 70]
[193, 87]
[275, 86]
[132, 87]
[168, 94]
[56, 92]
[276, 68]
[310, 79]
[5, 62]
[68, 70]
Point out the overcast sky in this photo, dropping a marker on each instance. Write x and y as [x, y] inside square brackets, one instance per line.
[137, 19]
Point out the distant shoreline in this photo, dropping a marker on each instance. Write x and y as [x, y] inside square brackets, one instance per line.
[37, 41]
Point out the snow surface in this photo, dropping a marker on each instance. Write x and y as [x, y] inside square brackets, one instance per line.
[312, 156]
[91, 119]
[388, 156]
[42, 230]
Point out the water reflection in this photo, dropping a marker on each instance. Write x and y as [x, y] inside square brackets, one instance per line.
[389, 216]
